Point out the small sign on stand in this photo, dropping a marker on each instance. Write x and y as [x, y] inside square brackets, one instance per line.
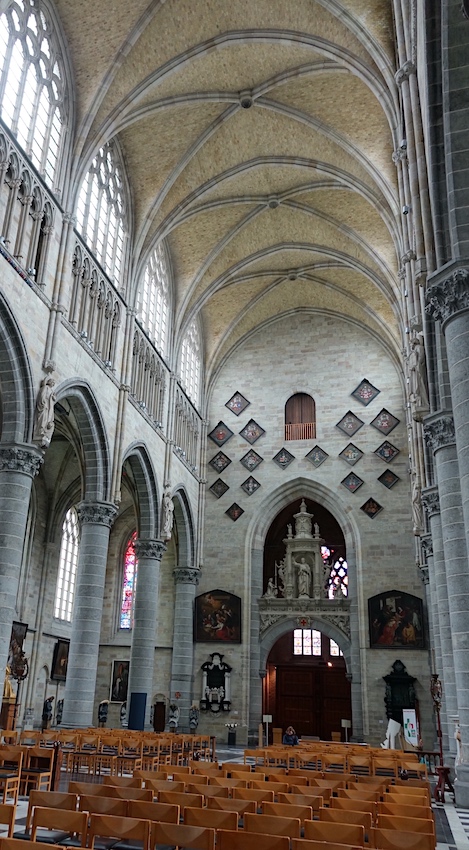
[346, 724]
[267, 718]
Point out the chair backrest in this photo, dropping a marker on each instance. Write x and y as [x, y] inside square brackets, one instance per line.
[304, 844]
[248, 841]
[409, 791]
[182, 835]
[75, 823]
[149, 774]
[213, 818]
[228, 783]
[157, 785]
[272, 824]
[288, 810]
[207, 790]
[121, 828]
[103, 805]
[270, 786]
[372, 795]
[20, 844]
[7, 817]
[50, 800]
[340, 816]
[406, 824]
[406, 799]
[342, 833]
[353, 805]
[123, 781]
[305, 800]
[228, 767]
[166, 812]
[391, 839]
[257, 794]
[239, 806]
[405, 810]
[130, 793]
[13, 755]
[179, 798]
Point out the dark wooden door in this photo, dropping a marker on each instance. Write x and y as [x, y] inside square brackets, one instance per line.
[159, 716]
[312, 699]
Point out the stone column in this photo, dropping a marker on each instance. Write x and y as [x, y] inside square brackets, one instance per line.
[187, 579]
[354, 671]
[256, 674]
[142, 652]
[18, 467]
[96, 519]
[444, 660]
[448, 302]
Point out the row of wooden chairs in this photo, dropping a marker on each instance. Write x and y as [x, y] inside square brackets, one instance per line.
[24, 768]
[391, 765]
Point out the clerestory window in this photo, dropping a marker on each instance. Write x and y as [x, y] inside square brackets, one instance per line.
[68, 562]
[101, 211]
[191, 363]
[32, 88]
[129, 583]
[153, 300]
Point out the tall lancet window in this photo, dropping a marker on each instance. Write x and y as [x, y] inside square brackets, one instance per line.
[153, 300]
[190, 363]
[68, 562]
[129, 583]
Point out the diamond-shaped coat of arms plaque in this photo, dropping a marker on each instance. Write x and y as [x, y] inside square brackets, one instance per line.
[221, 434]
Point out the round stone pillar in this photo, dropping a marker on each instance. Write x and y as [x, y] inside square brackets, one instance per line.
[256, 673]
[96, 519]
[447, 299]
[18, 466]
[187, 579]
[142, 653]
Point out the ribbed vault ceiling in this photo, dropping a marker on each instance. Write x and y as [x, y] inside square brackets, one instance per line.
[257, 139]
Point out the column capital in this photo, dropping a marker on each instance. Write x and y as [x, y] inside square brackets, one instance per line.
[186, 575]
[153, 549]
[426, 543]
[439, 431]
[404, 72]
[21, 459]
[99, 513]
[431, 501]
[449, 295]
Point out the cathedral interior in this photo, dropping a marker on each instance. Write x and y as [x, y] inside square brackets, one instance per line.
[193, 194]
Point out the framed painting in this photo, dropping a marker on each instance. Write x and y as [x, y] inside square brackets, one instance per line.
[60, 661]
[217, 617]
[18, 634]
[119, 681]
[396, 621]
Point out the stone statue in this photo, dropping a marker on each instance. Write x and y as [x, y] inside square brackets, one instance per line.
[327, 575]
[280, 570]
[271, 591]
[168, 511]
[193, 718]
[289, 530]
[304, 577]
[418, 395]
[44, 425]
[173, 719]
[103, 709]
[417, 510]
[47, 711]
[59, 712]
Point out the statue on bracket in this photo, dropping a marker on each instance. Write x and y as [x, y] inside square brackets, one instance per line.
[216, 684]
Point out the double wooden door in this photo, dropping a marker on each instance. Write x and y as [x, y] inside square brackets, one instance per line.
[312, 699]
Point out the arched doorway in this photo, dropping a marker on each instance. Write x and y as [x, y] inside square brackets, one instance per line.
[306, 684]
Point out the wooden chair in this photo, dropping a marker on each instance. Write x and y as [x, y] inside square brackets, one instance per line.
[157, 785]
[333, 784]
[123, 781]
[59, 826]
[179, 798]
[384, 766]
[207, 790]
[257, 794]
[36, 772]
[372, 796]
[206, 768]
[228, 767]
[405, 824]
[391, 839]
[166, 812]
[11, 765]
[368, 783]
[248, 841]
[359, 765]
[314, 803]
[7, 817]
[29, 738]
[90, 789]
[230, 805]
[310, 791]
[363, 819]
[335, 763]
[276, 787]
[410, 811]
[288, 810]
[98, 805]
[227, 783]
[342, 833]
[353, 805]
[267, 824]
[181, 835]
[213, 818]
[403, 792]
[128, 832]
[130, 793]
[48, 799]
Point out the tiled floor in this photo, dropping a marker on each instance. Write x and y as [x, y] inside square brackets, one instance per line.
[452, 823]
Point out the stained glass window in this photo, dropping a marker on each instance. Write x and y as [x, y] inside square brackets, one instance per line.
[153, 304]
[335, 573]
[129, 582]
[306, 642]
[68, 562]
[32, 96]
[100, 211]
[334, 649]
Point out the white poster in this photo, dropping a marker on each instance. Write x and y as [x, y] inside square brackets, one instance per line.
[411, 732]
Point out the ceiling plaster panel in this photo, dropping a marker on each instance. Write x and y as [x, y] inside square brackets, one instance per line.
[364, 289]
[264, 180]
[223, 309]
[376, 18]
[285, 259]
[181, 24]
[314, 94]
[297, 296]
[155, 146]
[274, 227]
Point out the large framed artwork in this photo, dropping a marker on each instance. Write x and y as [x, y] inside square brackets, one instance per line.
[396, 620]
[60, 661]
[217, 617]
[119, 681]
[18, 634]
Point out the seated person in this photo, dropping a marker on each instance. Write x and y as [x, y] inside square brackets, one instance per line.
[290, 738]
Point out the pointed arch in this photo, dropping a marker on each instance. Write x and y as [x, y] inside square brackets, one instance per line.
[185, 526]
[16, 383]
[147, 507]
